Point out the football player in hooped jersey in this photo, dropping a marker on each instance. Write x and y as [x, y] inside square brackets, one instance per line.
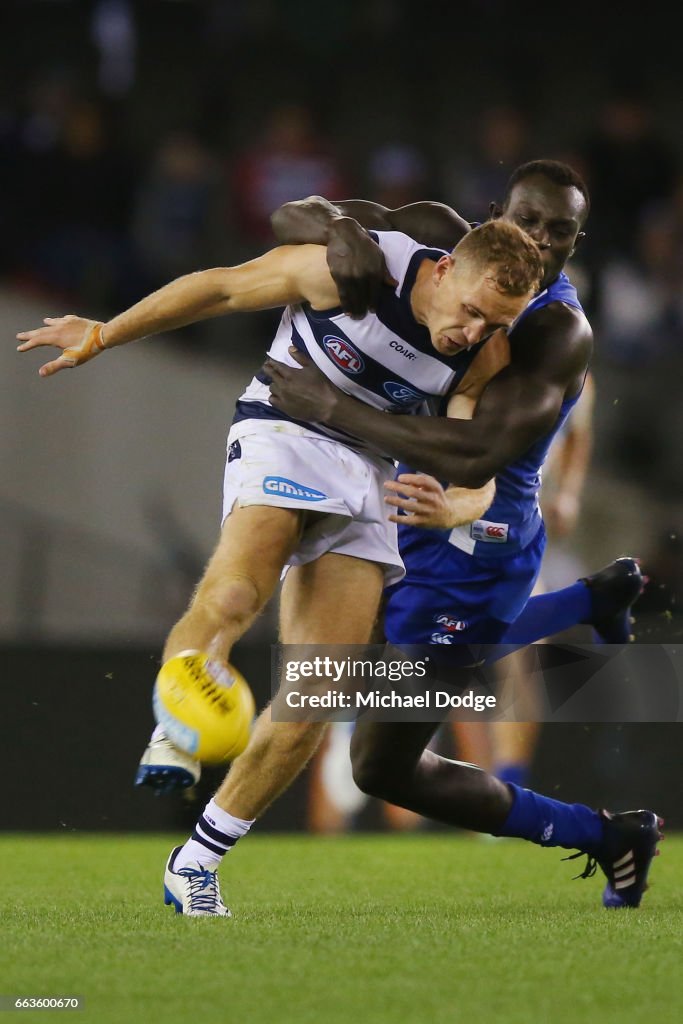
[471, 585]
[301, 494]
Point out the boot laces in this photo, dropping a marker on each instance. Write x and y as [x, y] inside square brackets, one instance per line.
[204, 892]
[591, 864]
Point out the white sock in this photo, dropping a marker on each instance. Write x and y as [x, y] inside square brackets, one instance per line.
[215, 833]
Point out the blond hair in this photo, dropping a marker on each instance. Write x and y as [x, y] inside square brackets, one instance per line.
[508, 257]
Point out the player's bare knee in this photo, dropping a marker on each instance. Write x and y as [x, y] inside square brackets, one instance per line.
[234, 599]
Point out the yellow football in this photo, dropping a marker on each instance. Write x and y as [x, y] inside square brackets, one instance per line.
[204, 705]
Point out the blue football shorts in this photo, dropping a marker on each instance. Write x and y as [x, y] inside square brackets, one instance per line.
[473, 600]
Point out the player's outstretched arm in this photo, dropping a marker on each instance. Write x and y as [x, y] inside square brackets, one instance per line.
[355, 260]
[283, 275]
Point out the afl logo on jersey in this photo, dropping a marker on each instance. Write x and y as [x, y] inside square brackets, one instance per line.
[343, 354]
[449, 624]
[401, 393]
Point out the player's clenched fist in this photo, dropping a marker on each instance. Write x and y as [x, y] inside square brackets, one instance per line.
[79, 339]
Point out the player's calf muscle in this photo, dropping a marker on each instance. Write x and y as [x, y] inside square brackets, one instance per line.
[277, 752]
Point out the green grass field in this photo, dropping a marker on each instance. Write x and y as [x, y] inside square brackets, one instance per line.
[354, 929]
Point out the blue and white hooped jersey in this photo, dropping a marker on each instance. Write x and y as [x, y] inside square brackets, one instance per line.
[386, 359]
[514, 518]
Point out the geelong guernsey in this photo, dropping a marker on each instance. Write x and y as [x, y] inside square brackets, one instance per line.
[386, 360]
[514, 518]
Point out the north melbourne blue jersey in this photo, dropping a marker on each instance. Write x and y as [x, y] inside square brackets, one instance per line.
[386, 359]
[514, 518]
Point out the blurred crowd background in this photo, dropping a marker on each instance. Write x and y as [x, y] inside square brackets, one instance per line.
[144, 139]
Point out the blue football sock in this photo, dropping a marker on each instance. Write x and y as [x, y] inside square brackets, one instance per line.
[512, 771]
[549, 614]
[549, 822]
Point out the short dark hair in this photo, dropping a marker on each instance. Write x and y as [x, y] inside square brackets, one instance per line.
[553, 170]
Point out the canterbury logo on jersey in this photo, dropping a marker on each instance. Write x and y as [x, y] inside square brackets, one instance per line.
[343, 354]
[442, 638]
[290, 489]
[493, 533]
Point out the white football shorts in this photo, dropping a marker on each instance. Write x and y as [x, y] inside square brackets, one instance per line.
[273, 462]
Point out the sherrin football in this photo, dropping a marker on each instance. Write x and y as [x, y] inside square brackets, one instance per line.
[205, 706]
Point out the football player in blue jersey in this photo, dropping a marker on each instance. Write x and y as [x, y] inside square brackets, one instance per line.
[472, 585]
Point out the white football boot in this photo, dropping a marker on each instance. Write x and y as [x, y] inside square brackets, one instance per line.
[193, 890]
[165, 768]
